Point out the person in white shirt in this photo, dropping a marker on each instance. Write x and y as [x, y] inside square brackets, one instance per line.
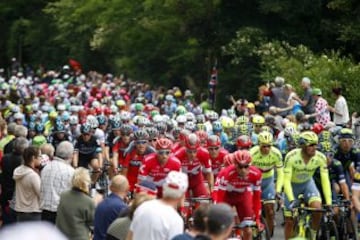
[340, 110]
[158, 219]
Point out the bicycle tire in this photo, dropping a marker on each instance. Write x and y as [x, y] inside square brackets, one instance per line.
[328, 231]
[308, 233]
[265, 234]
[349, 231]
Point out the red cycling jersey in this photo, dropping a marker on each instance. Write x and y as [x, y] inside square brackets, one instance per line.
[132, 162]
[218, 162]
[151, 170]
[243, 193]
[194, 169]
[176, 147]
[120, 147]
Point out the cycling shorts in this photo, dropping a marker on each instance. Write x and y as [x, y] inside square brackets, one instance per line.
[243, 202]
[268, 188]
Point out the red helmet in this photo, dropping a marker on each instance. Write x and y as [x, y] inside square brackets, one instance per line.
[229, 159]
[183, 135]
[213, 141]
[107, 111]
[192, 142]
[244, 142]
[242, 157]
[98, 110]
[317, 128]
[163, 143]
[202, 135]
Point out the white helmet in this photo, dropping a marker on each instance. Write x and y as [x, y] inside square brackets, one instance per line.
[74, 120]
[181, 119]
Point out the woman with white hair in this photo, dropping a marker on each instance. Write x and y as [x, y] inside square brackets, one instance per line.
[75, 213]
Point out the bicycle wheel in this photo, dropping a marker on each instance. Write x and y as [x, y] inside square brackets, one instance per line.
[328, 231]
[308, 233]
[265, 234]
[349, 231]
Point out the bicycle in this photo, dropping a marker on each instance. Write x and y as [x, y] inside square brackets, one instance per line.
[328, 228]
[257, 234]
[346, 226]
[190, 205]
[267, 232]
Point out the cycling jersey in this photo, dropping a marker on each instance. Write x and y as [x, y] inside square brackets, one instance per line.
[120, 148]
[151, 170]
[296, 171]
[132, 162]
[87, 150]
[194, 169]
[266, 164]
[218, 162]
[230, 188]
[351, 158]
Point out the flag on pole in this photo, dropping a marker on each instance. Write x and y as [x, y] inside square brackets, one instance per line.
[212, 85]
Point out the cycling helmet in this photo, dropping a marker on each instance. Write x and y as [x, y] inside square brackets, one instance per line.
[270, 120]
[141, 134]
[101, 119]
[243, 129]
[163, 143]
[39, 128]
[125, 116]
[192, 141]
[213, 141]
[170, 124]
[227, 122]
[61, 107]
[85, 128]
[59, 127]
[243, 141]
[317, 128]
[126, 129]
[93, 122]
[180, 110]
[265, 138]
[140, 121]
[326, 147]
[139, 107]
[120, 103]
[200, 127]
[346, 133]
[74, 120]
[153, 133]
[157, 118]
[153, 113]
[290, 129]
[65, 117]
[304, 127]
[161, 127]
[115, 124]
[202, 135]
[191, 126]
[169, 98]
[257, 119]
[212, 116]
[242, 120]
[229, 159]
[325, 136]
[200, 118]
[308, 138]
[176, 132]
[181, 119]
[242, 157]
[216, 126]
[190, 117]
[266, 129]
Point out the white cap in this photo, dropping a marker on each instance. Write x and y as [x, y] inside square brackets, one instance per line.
[18, 115]
[306, 80]
[175, 185]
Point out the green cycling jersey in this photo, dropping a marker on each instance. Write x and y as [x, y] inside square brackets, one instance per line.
[297, 171]
[267, 163]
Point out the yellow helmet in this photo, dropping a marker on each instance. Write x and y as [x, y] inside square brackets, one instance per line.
[257, 119]
[308, 138]
[242, 120]
[265, 138]
[227, 122]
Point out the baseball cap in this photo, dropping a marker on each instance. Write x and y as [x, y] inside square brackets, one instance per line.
[147, 187]
[316, 91]
[220, 217]
[175, 185]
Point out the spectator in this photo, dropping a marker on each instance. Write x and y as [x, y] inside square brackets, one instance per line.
[307, 101]
[278, 96]
[19, 131]
[198, 226]
[219, 222]
[160, 215]
[27, 186]
[108, 210]
[75, 213]
[340, 110]
[9, 162]
[56, 178]
[10, 135]
[47, 153]
[321, 114]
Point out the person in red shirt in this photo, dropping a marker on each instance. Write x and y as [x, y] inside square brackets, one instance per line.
[121, 143]
[203, 136]
[181, 143]
[216, 152]
[195, 161]
[239, 185]
[135, 158]
[157, 165]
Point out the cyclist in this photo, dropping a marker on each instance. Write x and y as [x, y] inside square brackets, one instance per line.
[267, 157]
[239, 185]
[58, 134]
[157, 165]
[216, 153]
[336, 174]
[193, 158]
[257, 121]
[87, 152]
[243, 142]
[347, 154]
[300, 165]
[134, 157]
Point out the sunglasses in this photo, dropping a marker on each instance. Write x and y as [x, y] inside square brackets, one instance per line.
[125, 135]
[266, 146]
[243, 166]
[141, 142]
[257, 125]
[163, 152]
[191, 150]
[86, 134]
[329, 154]
[152, 140]
[213, 148]
[312, 145]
